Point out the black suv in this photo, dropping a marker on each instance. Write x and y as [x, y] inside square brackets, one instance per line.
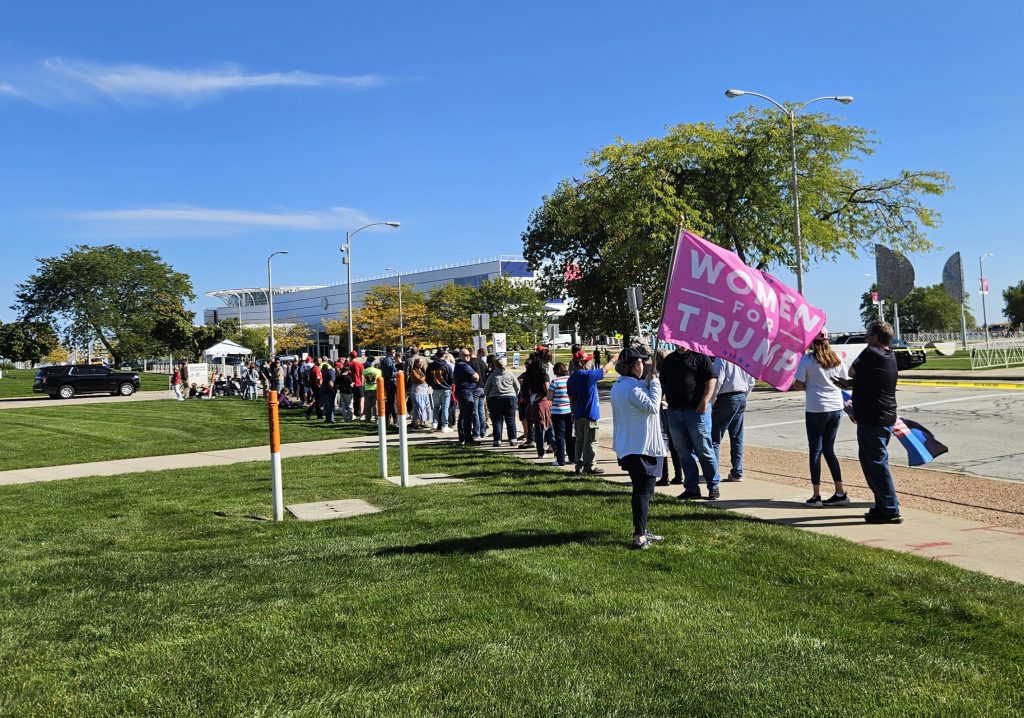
[907, 357]
[66, 381]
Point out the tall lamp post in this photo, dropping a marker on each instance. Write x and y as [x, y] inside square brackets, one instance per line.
[401, 319]
[346, 249]
[270, 298]
[984, 293]
[790, 112]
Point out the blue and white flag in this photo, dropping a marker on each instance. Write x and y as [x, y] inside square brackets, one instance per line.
[921, 444]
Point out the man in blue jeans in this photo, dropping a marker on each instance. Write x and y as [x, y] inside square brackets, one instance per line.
[466, 380]
[874, 375]
[728, 407]
[688, 381]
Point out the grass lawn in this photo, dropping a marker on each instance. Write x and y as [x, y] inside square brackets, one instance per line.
[512, 594]
[62, 434]
[18, 382]
[960, 360]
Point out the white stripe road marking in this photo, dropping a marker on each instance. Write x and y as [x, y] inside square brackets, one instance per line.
[902, 408]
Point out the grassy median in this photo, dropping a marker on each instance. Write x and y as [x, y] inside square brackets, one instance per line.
[513, 594]
[18, 382]
[69, 434]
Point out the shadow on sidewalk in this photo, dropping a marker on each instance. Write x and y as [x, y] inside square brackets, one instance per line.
[494, 542]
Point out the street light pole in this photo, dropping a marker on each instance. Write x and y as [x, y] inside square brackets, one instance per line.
[401, 319]
[270, 298]
[346, 249]
[791, 115]
[984, 293]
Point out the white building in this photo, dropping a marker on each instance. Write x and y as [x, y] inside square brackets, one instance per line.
[311, 305]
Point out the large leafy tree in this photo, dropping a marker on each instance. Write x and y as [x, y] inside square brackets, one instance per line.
[594, 236]
[377, 321]
[925, 309]
[449, 308]
[107, 293]
[27, 341]
[516, 309]
[1014, 308]
[296, 336]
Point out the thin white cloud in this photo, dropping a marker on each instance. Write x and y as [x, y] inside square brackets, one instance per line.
[187, 220]
[56, 81]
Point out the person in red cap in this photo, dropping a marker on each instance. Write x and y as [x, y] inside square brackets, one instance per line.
[582, 389]
[356, 368]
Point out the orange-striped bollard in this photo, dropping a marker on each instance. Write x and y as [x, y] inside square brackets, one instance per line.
[382, 427]
[403, 437]
[275, 456]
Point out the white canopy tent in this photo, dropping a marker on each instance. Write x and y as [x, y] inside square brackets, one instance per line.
[226, 348]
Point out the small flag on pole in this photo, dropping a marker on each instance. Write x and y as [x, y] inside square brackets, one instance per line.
[920, 443]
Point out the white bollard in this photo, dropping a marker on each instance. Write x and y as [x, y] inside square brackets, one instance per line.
[403, 436]
[275, 457]
[382, 427]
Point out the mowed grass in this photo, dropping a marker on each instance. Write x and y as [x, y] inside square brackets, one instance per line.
[512, 594]
[18, 382]
[67, 434]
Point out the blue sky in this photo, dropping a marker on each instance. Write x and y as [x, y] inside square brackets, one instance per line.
[217, 133]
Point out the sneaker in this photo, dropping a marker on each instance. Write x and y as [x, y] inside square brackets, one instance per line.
[654, 537]
[882, 518]
[556, 462]
[713, 494]
[677, 481]
[495, 443]
[661, 482]
[640, 543]
[446, 430]
[837, 500]
[690, 495]
[813, 502]
[733, 477]
[594, 471]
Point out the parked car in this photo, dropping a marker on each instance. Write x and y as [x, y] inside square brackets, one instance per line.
[907, 357]
[66, 381]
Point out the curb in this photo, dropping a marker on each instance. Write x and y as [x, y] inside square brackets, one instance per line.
[963, 384]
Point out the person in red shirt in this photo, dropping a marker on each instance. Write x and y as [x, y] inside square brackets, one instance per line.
[356, 367]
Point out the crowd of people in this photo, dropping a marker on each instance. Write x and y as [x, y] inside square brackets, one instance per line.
[682, 404]
[679, 405]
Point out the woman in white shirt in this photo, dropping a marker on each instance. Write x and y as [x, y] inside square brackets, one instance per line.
[636, 438]
[817, 374]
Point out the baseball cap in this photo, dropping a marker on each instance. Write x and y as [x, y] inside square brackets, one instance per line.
[581, 355]
[822, 335]
[353, 353]
[541, 348]
[633, 353]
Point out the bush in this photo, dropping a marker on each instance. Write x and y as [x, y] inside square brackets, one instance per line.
[7, 365]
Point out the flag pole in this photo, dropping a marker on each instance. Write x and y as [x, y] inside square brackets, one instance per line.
[668, 277]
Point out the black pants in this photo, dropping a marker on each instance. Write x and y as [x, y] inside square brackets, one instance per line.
[503, 409]
[643, 472]
[357, 400]
[467, 404]
[390, 390]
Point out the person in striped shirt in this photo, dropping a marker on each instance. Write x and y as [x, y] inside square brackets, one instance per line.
[561, 415]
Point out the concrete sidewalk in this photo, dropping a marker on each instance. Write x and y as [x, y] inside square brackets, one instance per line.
[986, 547]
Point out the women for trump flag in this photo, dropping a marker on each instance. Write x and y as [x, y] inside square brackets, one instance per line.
[717, 305]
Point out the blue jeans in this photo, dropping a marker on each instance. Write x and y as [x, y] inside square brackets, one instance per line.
[442, 401]
[691, 434]
[727, 415]
[467, 414]
[565, 447]
[503, 410]
[479, 413]
[873, 442]
[822, 428]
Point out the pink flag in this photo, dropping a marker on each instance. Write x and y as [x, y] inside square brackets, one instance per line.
[572, 272]
[717, 305]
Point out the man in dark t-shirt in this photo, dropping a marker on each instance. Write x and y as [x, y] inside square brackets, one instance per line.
[466, 380]
[874, 409]
[688, 382]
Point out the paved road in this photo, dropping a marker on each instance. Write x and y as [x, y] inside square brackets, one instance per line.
[39, 400]
[983, 428]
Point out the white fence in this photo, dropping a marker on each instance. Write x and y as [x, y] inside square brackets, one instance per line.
[1005, 353]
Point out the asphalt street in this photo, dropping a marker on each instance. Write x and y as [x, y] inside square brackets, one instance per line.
[983, 428]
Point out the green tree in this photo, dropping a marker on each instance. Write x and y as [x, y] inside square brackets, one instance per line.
[516, 309]
[377, 321]
[449, 308]
[27, 341]
[925, 309]
[255, 339]
[616, 226]
[296, 336]
[1014, 308]
[106, 293]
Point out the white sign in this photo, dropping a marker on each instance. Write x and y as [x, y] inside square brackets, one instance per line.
[500, 344]
[198, 374]
[479, 342]
[334, 339]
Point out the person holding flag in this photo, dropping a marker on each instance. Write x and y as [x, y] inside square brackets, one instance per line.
[818, 373]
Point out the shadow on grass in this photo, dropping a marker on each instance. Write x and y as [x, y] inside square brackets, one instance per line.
[494, 542]
[559, 493]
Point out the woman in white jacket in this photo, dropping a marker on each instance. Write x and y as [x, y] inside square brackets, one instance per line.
[636, 403]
